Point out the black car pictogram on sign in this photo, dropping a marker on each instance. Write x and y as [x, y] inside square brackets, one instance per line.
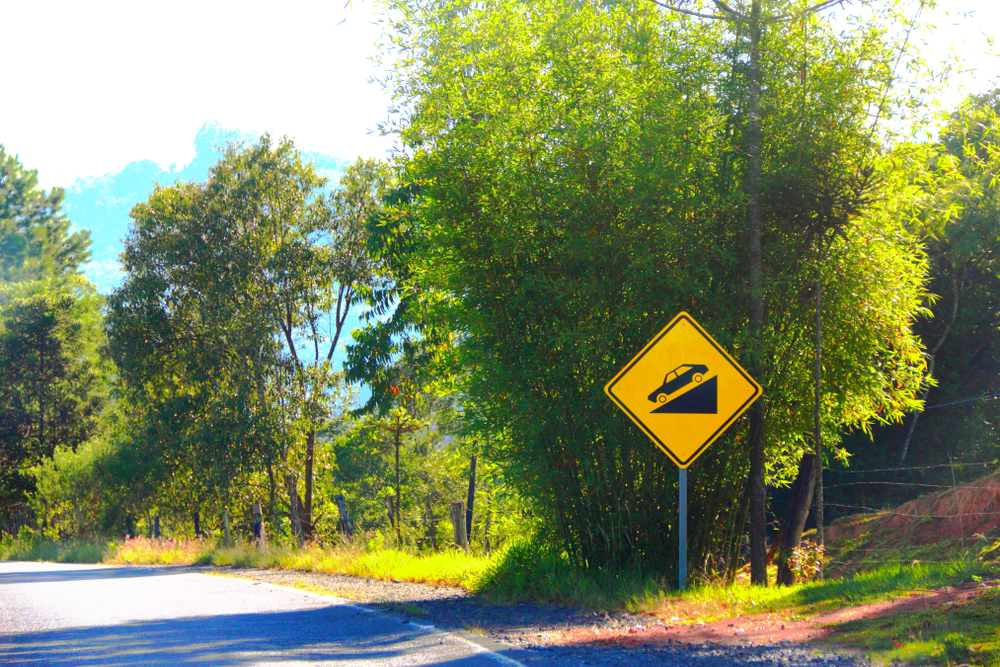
[702, 399]
[677, 379]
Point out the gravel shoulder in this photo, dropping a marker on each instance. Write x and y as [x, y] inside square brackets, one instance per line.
[559, 636]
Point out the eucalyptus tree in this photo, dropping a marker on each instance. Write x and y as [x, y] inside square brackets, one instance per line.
[237, 291]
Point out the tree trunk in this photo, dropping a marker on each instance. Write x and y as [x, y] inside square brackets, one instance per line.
[196, 519]
[818, 398]
[471, 498]
[272, 488]
[904, 450]
[398, 528]
[758, 491]
[795, 517]
[291, 484]
[306, 513]
[259, 533]
[391, 504]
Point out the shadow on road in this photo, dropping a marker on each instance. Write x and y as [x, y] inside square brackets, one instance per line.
[329, 634]
[49, 576]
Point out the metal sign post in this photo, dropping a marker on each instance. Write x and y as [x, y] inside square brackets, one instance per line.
[683, 390]
[682, 528]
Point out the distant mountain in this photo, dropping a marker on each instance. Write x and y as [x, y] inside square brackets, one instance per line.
[102, 204]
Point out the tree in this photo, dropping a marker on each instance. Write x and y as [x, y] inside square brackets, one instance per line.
[965, 244]
[50, 384]
[35, 237]
[236, 296]
[755, 20]
[582, 177]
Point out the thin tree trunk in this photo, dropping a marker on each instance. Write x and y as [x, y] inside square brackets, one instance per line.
[818, 397]
[398, 530]
[259, 531]
[344, 524]
[904, 450]
[306, 514]
[291, 485]
[471, 498]
[758, 490]
[271, 488]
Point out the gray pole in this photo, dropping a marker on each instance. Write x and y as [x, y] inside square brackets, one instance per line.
[682, 528]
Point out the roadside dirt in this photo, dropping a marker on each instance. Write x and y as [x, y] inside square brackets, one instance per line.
[963, 513]
[762, 629]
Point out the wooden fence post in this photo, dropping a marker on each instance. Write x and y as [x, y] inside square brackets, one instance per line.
[344, 525]
[197, 523]
[457, 512]
[259, 534]
[156, 527]
[226, 535]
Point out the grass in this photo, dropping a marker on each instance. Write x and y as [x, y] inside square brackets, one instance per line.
[959, 633]
[70, 551]
[967, 633]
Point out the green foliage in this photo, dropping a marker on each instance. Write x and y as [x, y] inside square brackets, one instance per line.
[577, 179]
[434, 470]
[35, 238]
[224, 331]
[956, 443]
[51, 385]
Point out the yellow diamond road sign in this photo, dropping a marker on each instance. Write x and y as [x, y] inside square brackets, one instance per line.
[683, 390]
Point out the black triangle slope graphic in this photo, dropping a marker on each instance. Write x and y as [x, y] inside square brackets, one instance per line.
[702, 400]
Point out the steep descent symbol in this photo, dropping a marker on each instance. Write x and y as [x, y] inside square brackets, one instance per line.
[702, 399]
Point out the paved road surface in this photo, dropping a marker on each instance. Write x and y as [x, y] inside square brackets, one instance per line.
[92, 615]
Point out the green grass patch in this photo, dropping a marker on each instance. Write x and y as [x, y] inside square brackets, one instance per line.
[526, 570]
[38, 549]
[966, 632]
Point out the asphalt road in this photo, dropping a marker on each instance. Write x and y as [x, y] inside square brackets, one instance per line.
[91, 615]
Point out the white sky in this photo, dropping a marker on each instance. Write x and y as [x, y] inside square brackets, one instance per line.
[91, 85]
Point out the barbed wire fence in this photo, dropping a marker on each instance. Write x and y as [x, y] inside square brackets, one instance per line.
[866, 548]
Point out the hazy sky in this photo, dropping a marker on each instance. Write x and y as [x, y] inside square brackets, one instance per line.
[91, 85]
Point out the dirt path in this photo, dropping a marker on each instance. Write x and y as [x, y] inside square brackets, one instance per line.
[766, 628]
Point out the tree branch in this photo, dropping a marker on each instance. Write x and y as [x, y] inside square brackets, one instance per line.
[826, 4]
[727, 9]
[688, 12]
